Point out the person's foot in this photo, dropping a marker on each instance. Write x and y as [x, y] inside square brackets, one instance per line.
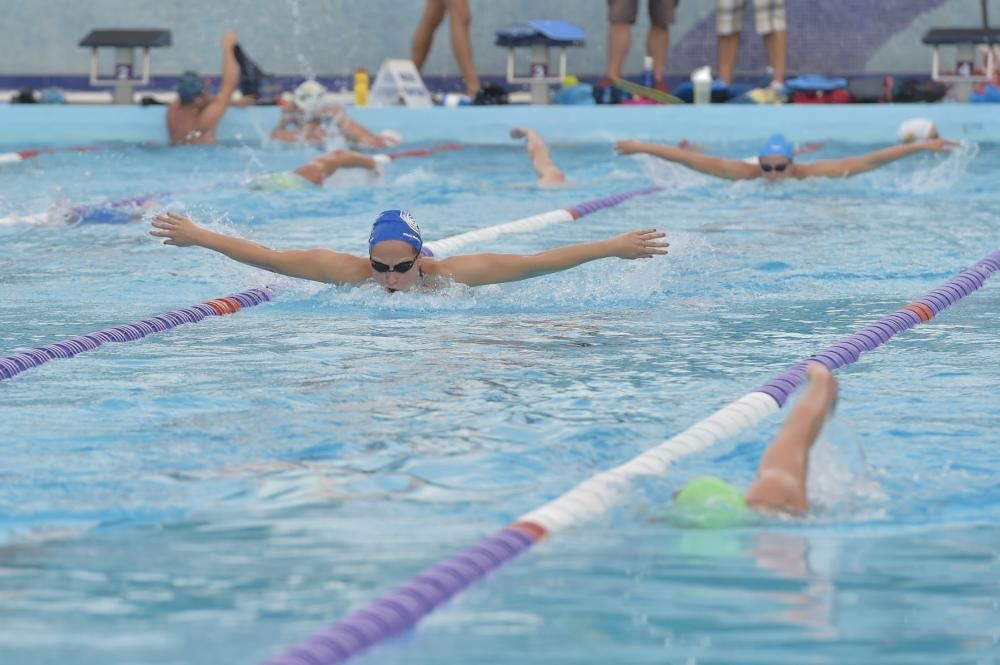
[606, 93]
[661, 86]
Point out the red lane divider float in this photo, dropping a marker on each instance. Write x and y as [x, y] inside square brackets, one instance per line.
[423, 152]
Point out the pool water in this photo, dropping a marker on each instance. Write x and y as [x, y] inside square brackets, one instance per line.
[219, 491]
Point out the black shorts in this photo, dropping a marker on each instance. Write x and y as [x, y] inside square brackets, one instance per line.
[661, 12]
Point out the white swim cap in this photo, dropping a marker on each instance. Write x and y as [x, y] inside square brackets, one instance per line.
[916, 129]
[391, 137]
[309, 96]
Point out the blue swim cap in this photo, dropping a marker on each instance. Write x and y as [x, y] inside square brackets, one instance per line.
[777, 145]
[395, 225]
[189, 86]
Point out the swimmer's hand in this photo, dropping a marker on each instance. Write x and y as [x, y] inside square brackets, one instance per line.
[230, 39]
[177, 229]
[939, 145]
[643, 244]
[628, 147]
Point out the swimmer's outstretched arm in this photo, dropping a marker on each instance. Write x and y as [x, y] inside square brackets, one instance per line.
[731, 169]
[212, 114]
[318, 265]
[780, 485]
[479, 269]
[281, 131]
[355, 132]
[839, 168]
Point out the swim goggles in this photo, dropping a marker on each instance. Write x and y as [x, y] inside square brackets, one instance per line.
[767, 168]
[401, 267]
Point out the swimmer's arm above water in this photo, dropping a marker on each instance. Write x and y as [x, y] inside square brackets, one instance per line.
[780, 486]
[212, 114]
[318, 265]
[731, 169]
[840, 168]
[480, 269]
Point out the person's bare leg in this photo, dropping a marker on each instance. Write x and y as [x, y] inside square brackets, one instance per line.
[657, 46]
[729, 48]
[323, 167]
[423, 36]
[780, 485]
[776, 45]
[549, 175]
[619, 39]
[459, 20]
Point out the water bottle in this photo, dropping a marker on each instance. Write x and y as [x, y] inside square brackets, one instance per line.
[361, 87]
[647, 71]
[701, 79]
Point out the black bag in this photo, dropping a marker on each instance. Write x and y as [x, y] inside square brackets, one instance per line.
[919, 90]
[489, 94]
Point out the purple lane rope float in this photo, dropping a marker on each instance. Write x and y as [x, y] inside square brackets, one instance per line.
[402, 607]
[12, 365]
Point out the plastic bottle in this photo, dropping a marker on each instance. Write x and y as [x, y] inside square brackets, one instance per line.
[701, 79]
[647, 72]
[361, 87]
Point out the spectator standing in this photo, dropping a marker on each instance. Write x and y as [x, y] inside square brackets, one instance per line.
[461, 45]
[621, 18]
[769, 16]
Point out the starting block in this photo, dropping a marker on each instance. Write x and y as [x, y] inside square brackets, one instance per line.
[125, 42]
[540, 35]
[967, 41]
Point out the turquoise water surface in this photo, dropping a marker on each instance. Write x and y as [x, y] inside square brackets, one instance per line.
[219, 491]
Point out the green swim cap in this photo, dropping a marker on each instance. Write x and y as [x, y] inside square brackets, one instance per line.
[710, 503]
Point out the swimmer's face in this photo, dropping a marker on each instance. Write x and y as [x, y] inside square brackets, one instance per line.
[774, 167]
[399, 264]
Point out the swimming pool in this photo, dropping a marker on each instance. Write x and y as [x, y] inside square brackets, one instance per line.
[218, 492]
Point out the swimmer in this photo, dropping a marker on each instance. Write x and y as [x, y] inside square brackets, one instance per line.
[396, 258]
[317, 170]
[776, 160]
[549, 175]
[917, 129]
[193, 118]
[309, 117]
[780, 485]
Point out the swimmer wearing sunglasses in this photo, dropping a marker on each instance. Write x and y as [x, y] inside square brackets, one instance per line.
[397, 259]
[776, 160]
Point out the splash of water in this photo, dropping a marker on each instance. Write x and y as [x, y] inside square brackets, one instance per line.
[945, 175]
[297, 38]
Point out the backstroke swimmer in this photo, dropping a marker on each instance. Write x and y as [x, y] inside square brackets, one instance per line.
[776, 160]
[397, 260]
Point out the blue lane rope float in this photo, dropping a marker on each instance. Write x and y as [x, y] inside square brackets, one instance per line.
[401, 608]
